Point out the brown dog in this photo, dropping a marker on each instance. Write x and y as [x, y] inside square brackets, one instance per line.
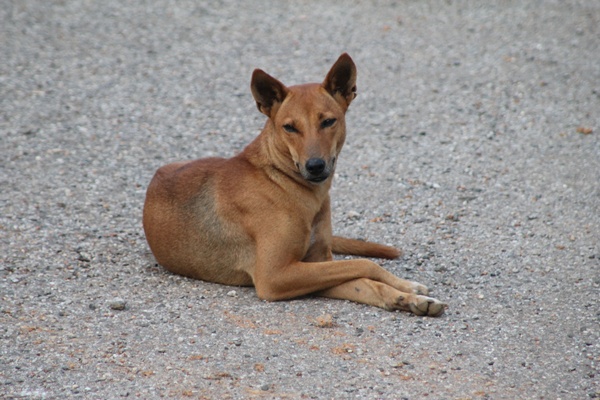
[262, 218]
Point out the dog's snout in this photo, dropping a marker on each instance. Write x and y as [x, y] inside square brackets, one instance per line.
[315, 166]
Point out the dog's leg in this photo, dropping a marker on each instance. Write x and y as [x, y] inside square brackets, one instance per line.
[320, 236]
[279, 280]
[384, 296]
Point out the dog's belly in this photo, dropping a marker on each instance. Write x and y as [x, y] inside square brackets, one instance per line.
[216, 259]
[201, 249]
[214, 250]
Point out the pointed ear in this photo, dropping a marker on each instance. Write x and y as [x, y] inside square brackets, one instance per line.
[341, 80]
[268, 92]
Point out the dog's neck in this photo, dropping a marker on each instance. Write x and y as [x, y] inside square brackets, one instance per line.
[265, 154]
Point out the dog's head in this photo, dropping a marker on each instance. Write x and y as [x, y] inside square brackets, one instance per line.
[307, 122]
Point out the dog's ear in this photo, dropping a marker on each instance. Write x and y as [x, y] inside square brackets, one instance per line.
[341, 80]
[268, 92]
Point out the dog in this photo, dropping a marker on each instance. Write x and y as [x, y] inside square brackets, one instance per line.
[262, 218]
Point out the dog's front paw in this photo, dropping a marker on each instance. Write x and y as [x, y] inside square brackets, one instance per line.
[418, 288]
[423, 305]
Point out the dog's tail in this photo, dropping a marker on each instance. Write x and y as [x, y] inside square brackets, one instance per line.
[357, 247]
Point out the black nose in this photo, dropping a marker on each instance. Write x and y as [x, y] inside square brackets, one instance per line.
[315, 166]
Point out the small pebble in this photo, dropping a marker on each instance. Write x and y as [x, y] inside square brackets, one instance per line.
[353, 214]
[232, 293]
[118, 304]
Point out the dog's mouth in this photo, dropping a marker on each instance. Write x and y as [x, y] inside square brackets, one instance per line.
[318, 179]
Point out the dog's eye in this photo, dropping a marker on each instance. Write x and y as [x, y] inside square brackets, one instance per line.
[328, 122]
[290, 128]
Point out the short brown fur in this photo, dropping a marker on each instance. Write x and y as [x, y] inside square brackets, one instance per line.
[263, 218]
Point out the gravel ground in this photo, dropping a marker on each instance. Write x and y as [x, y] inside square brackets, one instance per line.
[473, 145]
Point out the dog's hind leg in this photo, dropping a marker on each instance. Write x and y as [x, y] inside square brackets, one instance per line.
[355, 247]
